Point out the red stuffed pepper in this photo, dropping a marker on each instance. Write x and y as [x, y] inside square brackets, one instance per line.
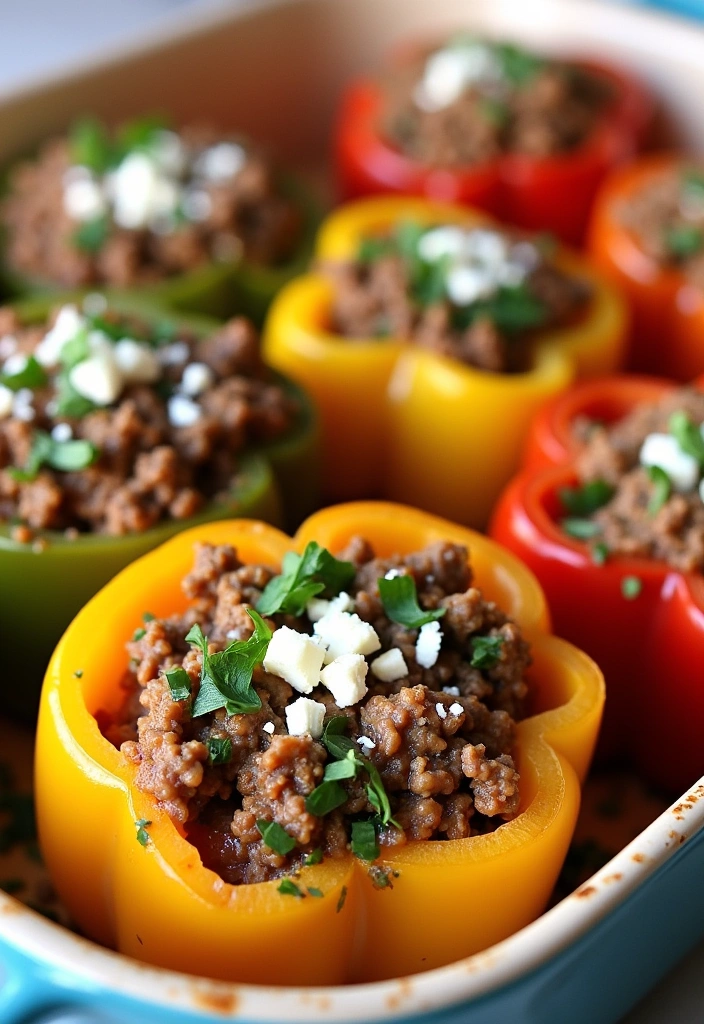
[494, 126]
[609, 514]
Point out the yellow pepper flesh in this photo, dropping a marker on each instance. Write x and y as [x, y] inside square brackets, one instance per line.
[410, 425]
[158, 903]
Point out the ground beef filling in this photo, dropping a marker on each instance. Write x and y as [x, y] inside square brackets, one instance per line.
[650, 513]
[187, 200]
[155, 452]
[471, 101]
[477, 295]
[667, 219]
[440, 737]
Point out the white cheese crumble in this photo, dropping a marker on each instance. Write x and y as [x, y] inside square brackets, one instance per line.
[451, 70]
[66, 326]
[294, 657]
[6, 401]
[196, 378]
[453, 691]
[390, 666]
[220, 162]
[182, 411]
[173, 354]
[316, 608]
[346, 633]
[428, 644]
[8, 345]
[137, 363]
[393, 573]
[97, 378]
[664, 451]
[94, 304]
[196, 204]
[22, 405]
[366, 743]
[140, 193]
[345, 679]
[84, 199]
[169, 153]
[465, 284]
[269, 727]
[456, 709]
[62, 432]
[15, 364]
[305, 716]
[441, 710]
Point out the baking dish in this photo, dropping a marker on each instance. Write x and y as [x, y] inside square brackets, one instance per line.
[570, 964]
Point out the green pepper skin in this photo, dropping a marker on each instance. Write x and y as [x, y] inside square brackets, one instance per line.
[43, 584]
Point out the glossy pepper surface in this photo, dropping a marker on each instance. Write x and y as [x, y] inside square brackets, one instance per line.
[548, 193]
[650, 645]
[668, 311]
[158, 903]
[47, 580]
[405, 423]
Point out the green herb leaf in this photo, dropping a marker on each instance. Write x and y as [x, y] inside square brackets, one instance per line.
[303, 577]
[90, 145]
[139, 132]
[400, 600]
[662, 488]
[219, 749]
[600, 554]
[226, 677]
[346, 751]
[276, 837]
[142, 834]
[91, 235]
[78, 673]
[334, 739]
[372, 248]
[316, 893]
[179, 682]
[631, 587]
[518, 66]
[376, 794]
[65, 456]
[31, 376]
[289, 888]
[344, 769]
[688, 435]
[343, 897]
[148, 617]
[512, 309]
[68, 401]
[486, 651]
[364, 843]
[314, 857]
[138, 634]
[684, 240]
[580, 529]
[583, 501]
[325, 798]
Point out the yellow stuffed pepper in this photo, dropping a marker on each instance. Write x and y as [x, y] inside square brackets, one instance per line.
[429, 335]
[308, 901]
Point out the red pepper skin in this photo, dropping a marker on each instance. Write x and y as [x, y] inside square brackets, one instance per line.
[651, 647]
[552, 194]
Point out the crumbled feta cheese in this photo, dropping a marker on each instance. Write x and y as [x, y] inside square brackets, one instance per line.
[22, 405]
[196, 204]
[390, 666]
[15, 364]
[97, 378]
[221, 161]
[294, 657]
[6, 401]
[76, 172]
[428, 644]
[525, 254]
[454, 691]
[169, 153]
[269, 727]
[196, 378]
[66, 326]
[440, 708]
[316, 608]
[173, 354]
[183, 411]
[140, 193]
[137, 363]
[305, 716]
[366, 743]
[393, 573]
[342, 603]
[345, 679]
[84, 199]
[465, 284]
[94, 304]
[487, 246]
[448, 72]
[346, 633]
[664, 451]
[510, 275]
[8, 345]
[456, 709]
[62, 432]
[99, 344]
[441, 242]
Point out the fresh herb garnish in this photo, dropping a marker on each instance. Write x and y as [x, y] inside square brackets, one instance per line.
[600, 553]
[289, 888]
[66, 456]
[346, 768]
[688, 435]
[179, 682]
[32, 376]
[684, 240]
[512, 309]
[518, 66]
[631, 587]
[325, 798]
[662, 488]
[580, 529]
[276, 837]
[486, 651]
[139, 133]
[91, 235]
[315, 893]
[304, 577]
[219, 749]
[90, 145]
[400, 600]
[139, 633]
[142, 834]
[78, 674]
[314, 857]
[226, 677]
[364, 843]
[373, 247]
[586, 499]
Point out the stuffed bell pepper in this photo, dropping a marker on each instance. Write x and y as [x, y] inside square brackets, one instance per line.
[647, 232]
[609, 514]
[525, 137]
[198, 219]
[428, 335]
[351, 755]
[118, 427]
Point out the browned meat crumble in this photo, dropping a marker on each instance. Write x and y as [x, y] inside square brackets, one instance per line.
[173, 202]
[153, 451]
[646, 513]
[470, 101]
[440, 737]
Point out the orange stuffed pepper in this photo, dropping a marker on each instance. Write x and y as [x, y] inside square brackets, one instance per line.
[428, 335]
[647, 232]
[237, 817]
